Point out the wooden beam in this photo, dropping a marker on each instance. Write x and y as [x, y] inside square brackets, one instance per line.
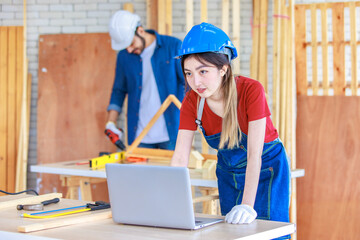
[262, 66]
[255, 41]
[236, 34]
[66, 221]
[276, 65]
[170, 99]
[152, 14]
[189, 14]
[204, 13]
[353, 31]
[283, 72]
[325, 47]
[225, 9]
[3, 106]
[300, 50]
[128, 7]
[11, 109]
[338, 48]
[161, 17]
[168, 17]
[314, 49]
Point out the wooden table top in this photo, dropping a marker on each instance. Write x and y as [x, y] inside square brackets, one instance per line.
[10, 220]
[70, 168]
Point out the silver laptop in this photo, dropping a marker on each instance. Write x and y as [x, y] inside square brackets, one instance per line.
[158, 196]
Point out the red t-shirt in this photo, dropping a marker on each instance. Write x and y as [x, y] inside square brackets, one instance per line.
[252, 106]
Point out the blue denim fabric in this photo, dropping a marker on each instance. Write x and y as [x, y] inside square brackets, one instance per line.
[272, 197]
[163, 145]
[168, 76]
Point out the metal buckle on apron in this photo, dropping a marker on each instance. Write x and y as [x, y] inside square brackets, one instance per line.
[200, 112]
[198, 122]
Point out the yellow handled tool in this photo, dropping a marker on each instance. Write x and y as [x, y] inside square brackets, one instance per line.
[88, 207]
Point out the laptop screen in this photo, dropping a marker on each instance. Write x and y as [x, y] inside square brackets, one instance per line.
[150, 195]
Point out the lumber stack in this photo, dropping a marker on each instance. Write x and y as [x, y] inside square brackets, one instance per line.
[14, 95]
[284, 97]
[258, 60]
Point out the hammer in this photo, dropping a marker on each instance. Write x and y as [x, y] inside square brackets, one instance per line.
[37, 207]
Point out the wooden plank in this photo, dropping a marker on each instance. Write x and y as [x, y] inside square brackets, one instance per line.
[11, 110]
[189, 14]
[325, 47]
[236, 35]
[254, 60]
[338, 48]
[225, 9]
[276, 65]
[168, 17]
[76, 73]
[300, 50]
[170, 99]
[353, 31]
[29, 199]
[203, 11]
[330, 4]
[314, 82]
[61, 222]
[128, 7]
[152, 14]
[3, 106]
[19, 77]
[161, 16]
[332, 178]
[22, 153]
[262, 72]
[283, 72]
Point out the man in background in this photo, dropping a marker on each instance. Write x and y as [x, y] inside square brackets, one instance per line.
[147, 72]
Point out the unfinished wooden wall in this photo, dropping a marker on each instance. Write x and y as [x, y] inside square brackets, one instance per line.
[328, 122]
[328, 143]
[11, 83]
[76, 73]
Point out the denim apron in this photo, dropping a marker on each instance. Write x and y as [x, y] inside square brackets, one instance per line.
[272, 197]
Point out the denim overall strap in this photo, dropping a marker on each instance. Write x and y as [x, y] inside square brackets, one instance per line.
[200, 112]
[272, 197]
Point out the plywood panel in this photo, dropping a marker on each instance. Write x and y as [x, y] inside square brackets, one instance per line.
[328, 149]
[76, 72]
[11, 109]
[3, 105]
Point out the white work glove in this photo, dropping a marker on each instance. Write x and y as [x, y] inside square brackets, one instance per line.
[241, 214]
[112, 127]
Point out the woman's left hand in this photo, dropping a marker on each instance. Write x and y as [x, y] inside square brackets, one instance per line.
[241, 214]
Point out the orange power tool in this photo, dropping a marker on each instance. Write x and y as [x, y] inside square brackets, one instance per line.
[114, 138]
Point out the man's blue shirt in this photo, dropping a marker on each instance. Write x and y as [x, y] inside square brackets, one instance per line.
[169, 79]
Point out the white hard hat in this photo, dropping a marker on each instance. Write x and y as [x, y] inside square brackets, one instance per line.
[122, 29]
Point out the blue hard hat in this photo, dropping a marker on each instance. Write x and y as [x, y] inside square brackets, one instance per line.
[205, 37]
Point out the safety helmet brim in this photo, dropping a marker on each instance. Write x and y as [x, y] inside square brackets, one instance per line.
[206, 37]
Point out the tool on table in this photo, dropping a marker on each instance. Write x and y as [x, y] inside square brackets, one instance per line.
[87, 207]
[114, 138]
[136, 159]
[99, 162]
[37, 207]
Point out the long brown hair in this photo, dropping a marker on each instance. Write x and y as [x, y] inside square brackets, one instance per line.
[231, 132]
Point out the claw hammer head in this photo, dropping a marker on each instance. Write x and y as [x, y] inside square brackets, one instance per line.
[37, 207]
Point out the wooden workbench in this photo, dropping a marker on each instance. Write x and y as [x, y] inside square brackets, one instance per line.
[106, 229]
[71, 169]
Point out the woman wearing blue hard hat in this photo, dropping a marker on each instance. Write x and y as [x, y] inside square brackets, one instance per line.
[252, 169]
